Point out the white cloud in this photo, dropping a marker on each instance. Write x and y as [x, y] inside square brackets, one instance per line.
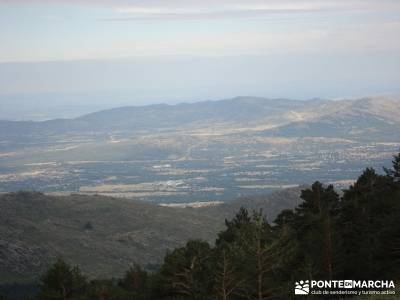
[178, 6]
[363, 37]
[232, 8]
[125, 10]
[289, 35]
[360, 38]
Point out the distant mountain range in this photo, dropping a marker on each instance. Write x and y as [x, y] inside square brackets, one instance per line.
[205, 151]
[161, 116]
[361, 118]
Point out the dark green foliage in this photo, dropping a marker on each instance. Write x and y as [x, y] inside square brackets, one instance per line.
[306, 239]
[394, 173]
[106, 290]
[247, 242]
[227, 273]
[187, 271]
[327, 237]
[62, 282]
[136, 282]
[369, 226]
[314, 223]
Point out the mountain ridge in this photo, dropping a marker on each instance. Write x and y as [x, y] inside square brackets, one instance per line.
[238, 110]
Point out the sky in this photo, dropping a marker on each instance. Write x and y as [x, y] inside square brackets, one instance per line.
[105, 53]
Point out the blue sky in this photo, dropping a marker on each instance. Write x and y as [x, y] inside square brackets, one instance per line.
[170, 50]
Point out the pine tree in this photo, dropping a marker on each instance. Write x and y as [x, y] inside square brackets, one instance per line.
[62, 282]
[136, 282]
[188, 271]
[314, 223]
[106, 290]
[226, 273]
[250, 238]
[287, 255]
[368, 225]
[394, 173]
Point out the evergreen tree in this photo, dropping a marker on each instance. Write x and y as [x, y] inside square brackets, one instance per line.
[241, 220]
[394, 173]
[187, 272]
[288, 255]
[136, 282]
[62, 282]
[315, 230]
[257, 247]
[226, 273]
[250, 239]
[106, 290]
[369, 224]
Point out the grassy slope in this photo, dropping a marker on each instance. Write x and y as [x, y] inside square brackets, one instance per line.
[36, 228]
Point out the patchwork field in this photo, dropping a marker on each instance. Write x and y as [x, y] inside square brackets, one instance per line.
[199, 154]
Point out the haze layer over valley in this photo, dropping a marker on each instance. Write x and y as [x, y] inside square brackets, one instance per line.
[202, 152]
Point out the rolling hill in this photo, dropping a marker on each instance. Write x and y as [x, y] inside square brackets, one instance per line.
[288, 117]
[161, 116]
[104, 235]
[366, 119]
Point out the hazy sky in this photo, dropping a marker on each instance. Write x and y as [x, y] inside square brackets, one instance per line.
[172, 50]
